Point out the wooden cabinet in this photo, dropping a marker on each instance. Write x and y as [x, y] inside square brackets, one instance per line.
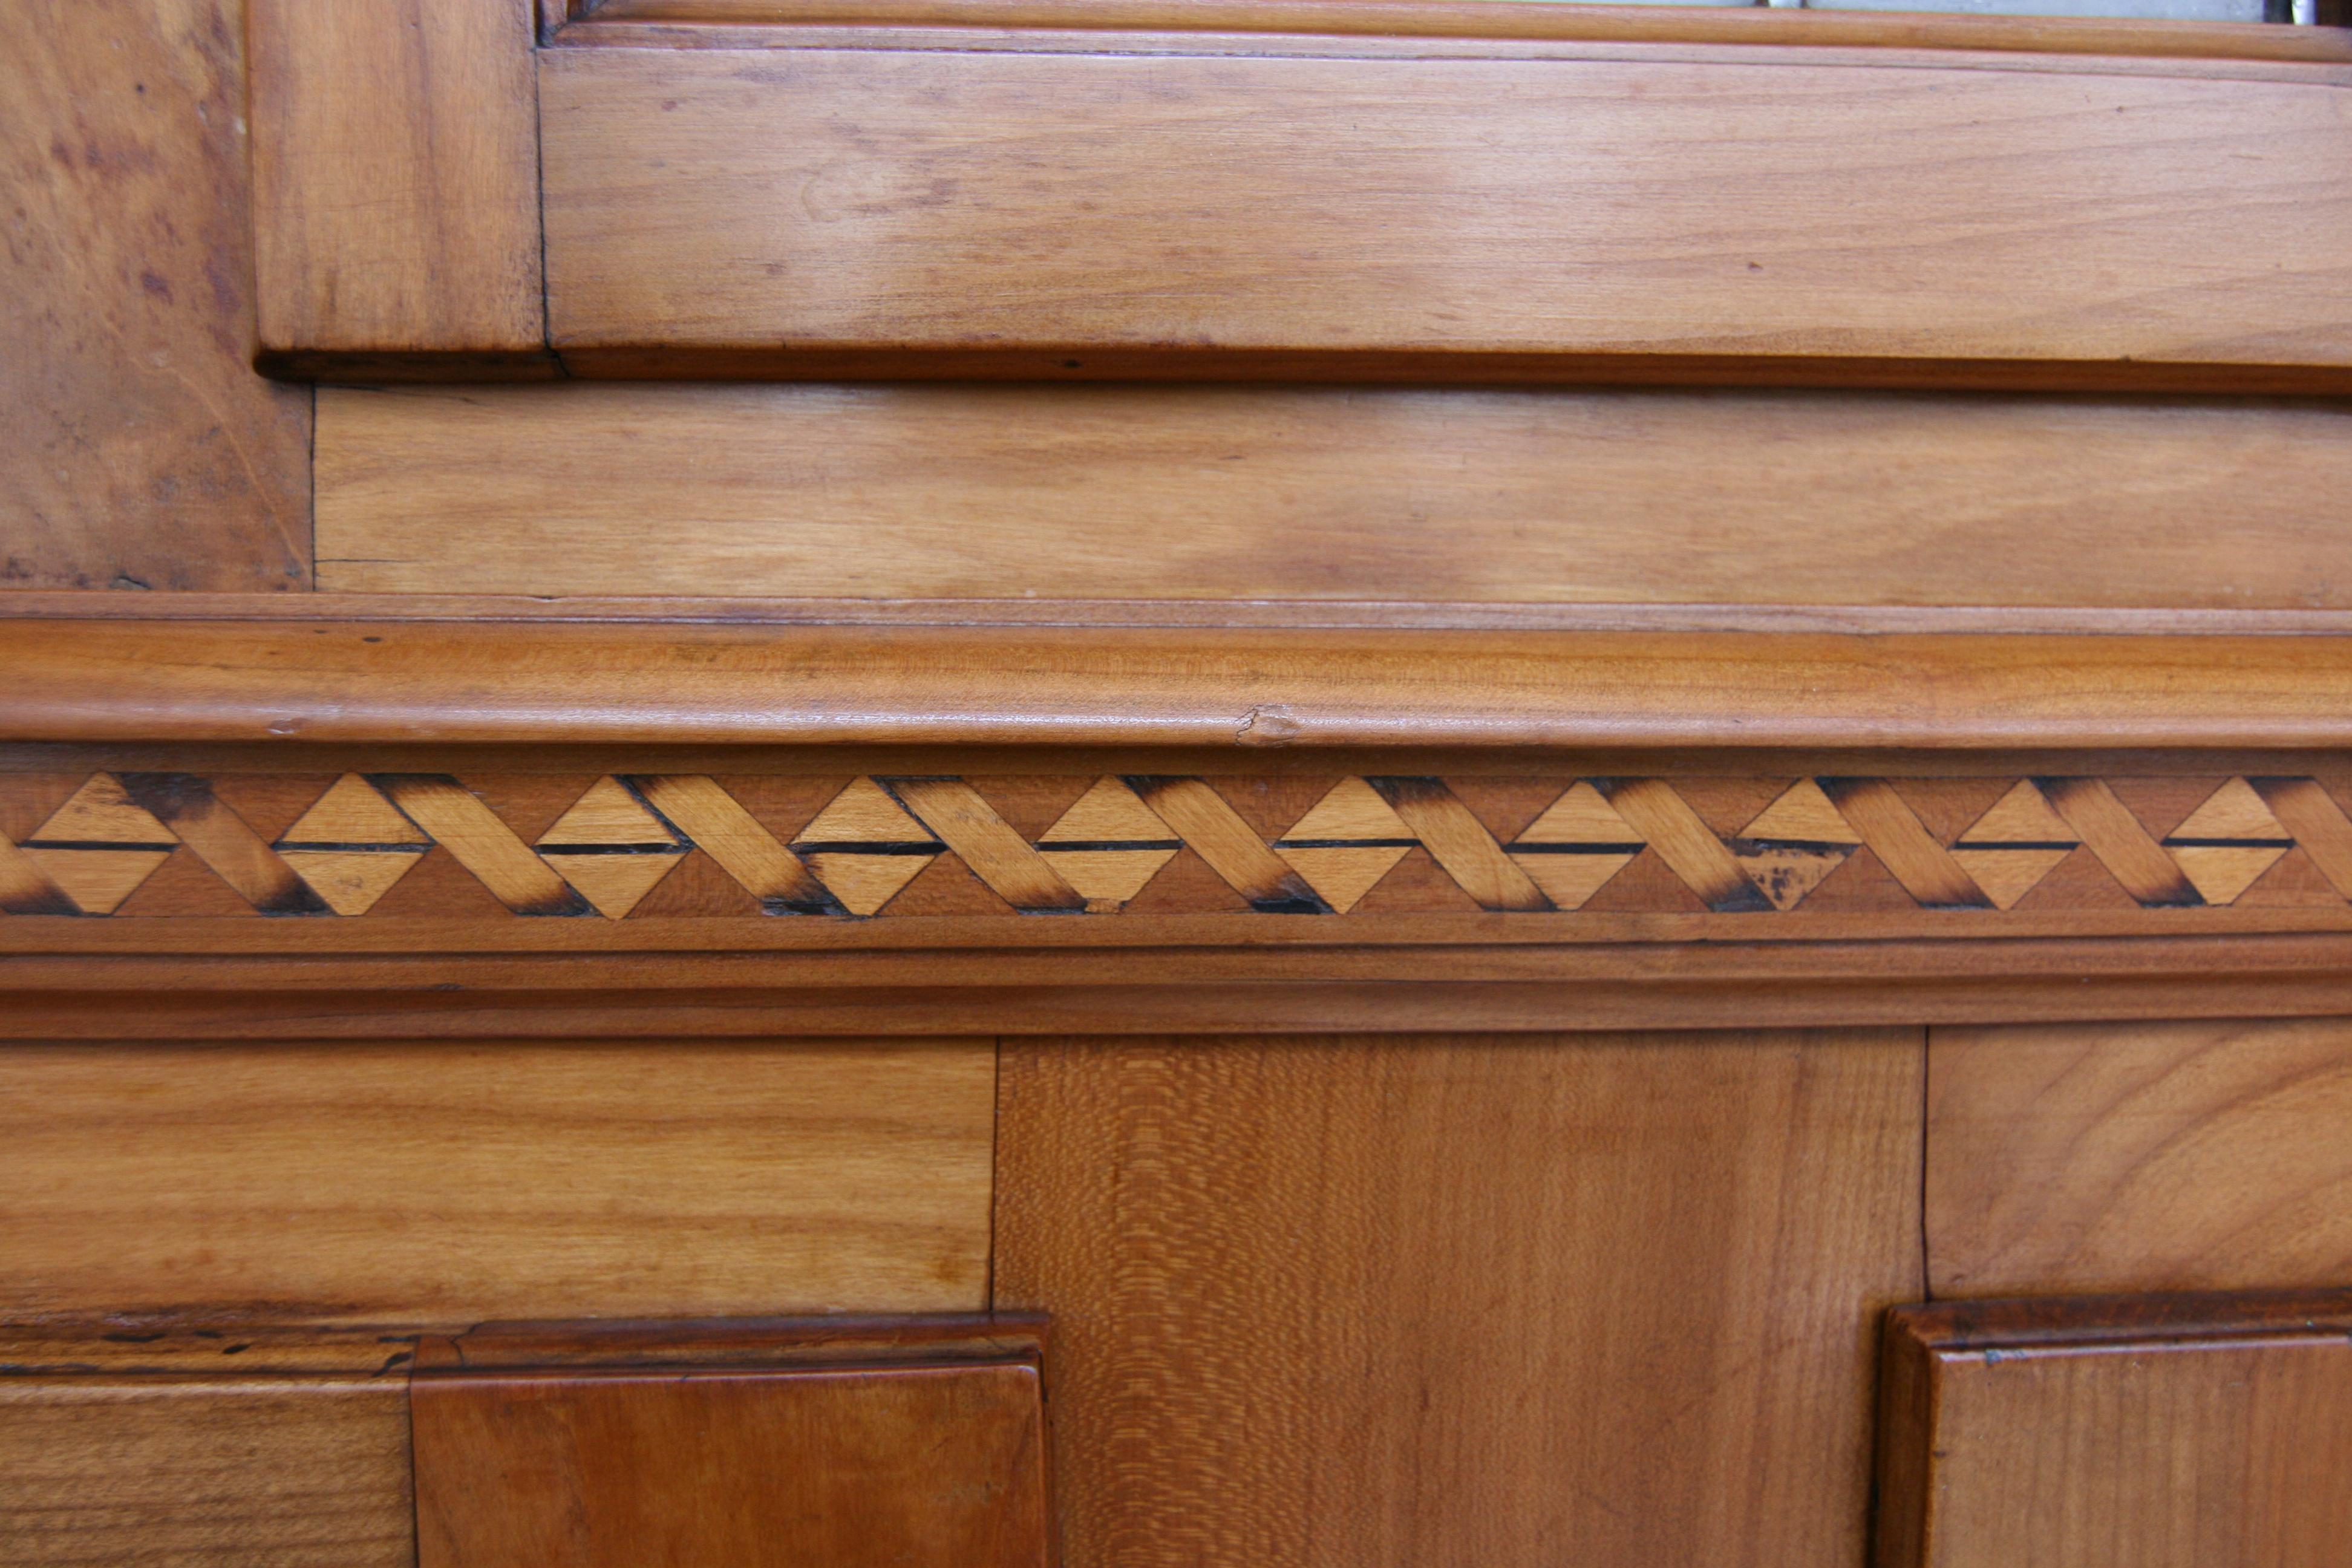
[1306, 783]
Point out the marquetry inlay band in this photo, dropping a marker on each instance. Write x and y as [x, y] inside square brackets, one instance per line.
[344, 846]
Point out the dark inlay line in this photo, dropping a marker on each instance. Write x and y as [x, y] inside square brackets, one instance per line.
[1802, 846]
[1346, 843]
[94, 844]
[323, 847]
[2229, 844]
[1096, 845]
[2014, 844]
[869, 846]
[1634, 848]
[664, 847]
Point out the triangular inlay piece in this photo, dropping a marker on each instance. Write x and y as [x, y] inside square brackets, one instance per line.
[1124, 844]
[1575, 846]
[1793, 844]
[865, 847]
[1346, 843]
[99, 845]
[353, 845]
[2014, 845]
[2216, 868]
[611, 847]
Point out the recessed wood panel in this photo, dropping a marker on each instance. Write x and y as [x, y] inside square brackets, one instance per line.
[867, 1469]
[140, 451]
[911, 212]
[1241, 492]
[1458, 1300]
[2101, 1436]
[2085, 1157]
[428, 1184]
[205, 1472]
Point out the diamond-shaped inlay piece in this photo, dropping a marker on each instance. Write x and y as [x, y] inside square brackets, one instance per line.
[2228, 842]
[1108, 845]
[611, 847]
[351, 845]
[2013, 846]
[1575, 846]
[865, 847]
[99, 845]
[1793, 844]
[1346, 843]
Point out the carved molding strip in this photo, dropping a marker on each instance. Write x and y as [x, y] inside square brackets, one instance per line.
[126, 844]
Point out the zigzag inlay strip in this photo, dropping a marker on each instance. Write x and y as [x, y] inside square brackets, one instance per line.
[616, 846]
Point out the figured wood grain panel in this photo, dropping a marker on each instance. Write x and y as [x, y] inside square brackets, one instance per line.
[1452, 495]
[416, 1183]
[141, 452]
[867, 1469]
[2085, 1157]
[2116, 1445]
[209, 1472]
[395, 170]
[1425, 1299]
[1041, 216]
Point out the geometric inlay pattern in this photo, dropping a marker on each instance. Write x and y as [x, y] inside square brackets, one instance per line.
[1173, 845]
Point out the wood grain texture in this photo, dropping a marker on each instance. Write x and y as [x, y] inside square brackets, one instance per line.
[2117, 1443]
[868, 1468]
[1479, 19]
[1296, 1323]
[141, 451]
[396, 181]
[1514, 496]
[90, 678]
[212, 1472]
[421, 1184]
[880, 214]
[2082, 1157]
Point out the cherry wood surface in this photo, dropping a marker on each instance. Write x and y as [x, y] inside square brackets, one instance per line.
[397, 182]
[2066, 1158]
[272, 1472]
[858, 211]
[2136, 1434]
[866, 1469]
[422, 1185]
[1217, 493]
[1456, 1299]
[96, 678]
[140, 451]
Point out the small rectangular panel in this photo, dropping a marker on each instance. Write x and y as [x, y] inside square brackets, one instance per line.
[439, 1184]
[1513, 495]
[1512, 1303]
[2180, 1156]
[864, 1468]
[395, 168]
[2117, 1434]
[205, 1472]
[1778, 218]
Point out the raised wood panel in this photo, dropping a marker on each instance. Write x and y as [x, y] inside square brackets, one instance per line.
[2107, 1438]
[1460, 1299]
[1305, 494]
[2089, 1157]
[918, 213]
[397, 182]
[205, 1472]
[392, 1184]
[140, 451]
[863, 1469]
